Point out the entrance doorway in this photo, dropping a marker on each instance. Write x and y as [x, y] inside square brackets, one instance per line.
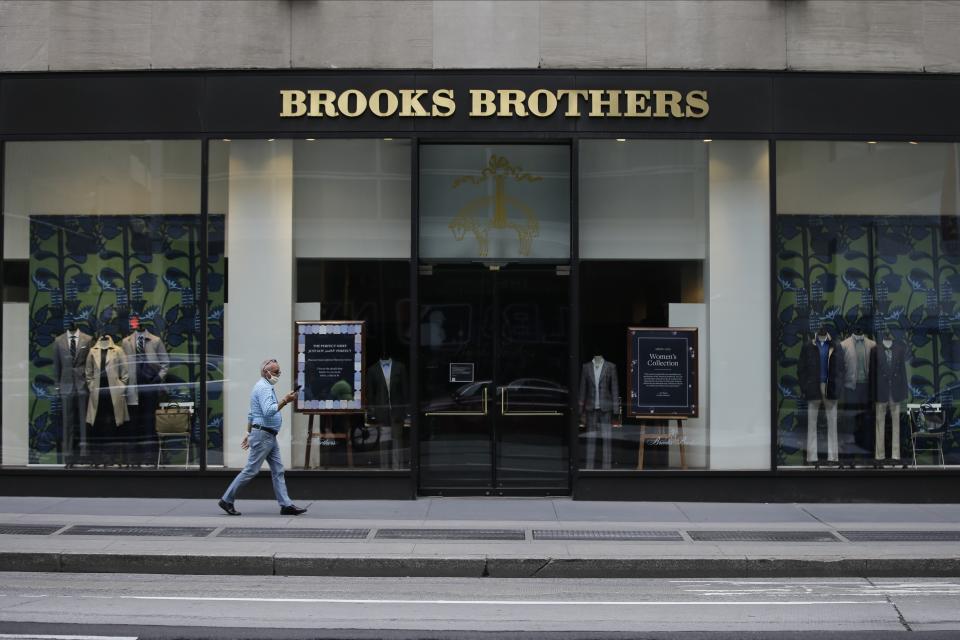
[494, 397]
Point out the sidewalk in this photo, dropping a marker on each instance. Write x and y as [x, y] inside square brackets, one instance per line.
[474, 537]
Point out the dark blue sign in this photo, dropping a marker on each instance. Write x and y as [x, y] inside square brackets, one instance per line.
[662, 372]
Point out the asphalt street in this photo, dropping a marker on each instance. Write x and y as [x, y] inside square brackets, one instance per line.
[164, 606]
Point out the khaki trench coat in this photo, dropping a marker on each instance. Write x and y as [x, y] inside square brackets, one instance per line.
[117, 377]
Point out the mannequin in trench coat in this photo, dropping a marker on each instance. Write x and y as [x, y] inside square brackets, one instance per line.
[106, 437]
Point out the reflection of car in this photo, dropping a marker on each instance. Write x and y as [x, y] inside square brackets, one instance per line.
[466, 398]
[534, 394]
[176, 386]
[183, 377]
[522, 394]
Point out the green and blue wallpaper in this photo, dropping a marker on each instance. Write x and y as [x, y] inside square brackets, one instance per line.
[100, 271]
[882, 272]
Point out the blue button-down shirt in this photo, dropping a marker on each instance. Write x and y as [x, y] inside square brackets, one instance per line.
[264, 409]
[824, 347]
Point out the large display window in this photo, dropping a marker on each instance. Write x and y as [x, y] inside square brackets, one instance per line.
[101, 349]
[673, 236]
[316, 231]
[867, 256]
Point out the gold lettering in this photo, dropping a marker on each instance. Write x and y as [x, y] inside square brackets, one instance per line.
[360, 103]
[601, 99]
[666, 99]
[511, 103]
[550, 103]
[410, 99]
[443, 103]
[637, 106]
[697, 106]
[322, 103]
[377, 107]
[294, 103]
[573, 101]
[541, 103]
[482, 103]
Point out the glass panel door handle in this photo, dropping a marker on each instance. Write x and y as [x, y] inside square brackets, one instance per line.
[504, 406]
[482, 412]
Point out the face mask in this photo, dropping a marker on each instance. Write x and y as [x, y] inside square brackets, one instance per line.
[273, 379]
[888, 343]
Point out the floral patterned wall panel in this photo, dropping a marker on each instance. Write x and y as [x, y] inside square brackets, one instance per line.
[876, 272]
[102, 270]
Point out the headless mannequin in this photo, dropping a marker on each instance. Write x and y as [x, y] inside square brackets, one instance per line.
[598, 397]
[104, 425]
[817, 372]
[388, 407]
[858, 354]
[106, 378]
[889, 386]
[146, 366]
[69, 356]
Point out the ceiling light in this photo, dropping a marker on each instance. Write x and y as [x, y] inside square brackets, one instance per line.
[621, 139]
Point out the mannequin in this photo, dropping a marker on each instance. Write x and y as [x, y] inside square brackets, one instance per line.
[857, 354]
[388, 400]
[70, 351]
[106, 375]
[147, 366]
[599, 400]
[820, 371]
[889, 389]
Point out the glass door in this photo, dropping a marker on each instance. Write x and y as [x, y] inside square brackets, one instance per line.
[494, 369]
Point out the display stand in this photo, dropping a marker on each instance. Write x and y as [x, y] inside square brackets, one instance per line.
[326, 431]
[162, 438]
[659, 430]
[920, 430]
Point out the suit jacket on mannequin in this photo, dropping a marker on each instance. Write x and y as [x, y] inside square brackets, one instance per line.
[609, 390]
[154, 356]
[116, 377]
[68, 370]
[387, 406]
[808, 370]
[888, 382]
[850, 360]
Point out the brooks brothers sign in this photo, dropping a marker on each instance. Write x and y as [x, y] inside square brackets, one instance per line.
[503, 103]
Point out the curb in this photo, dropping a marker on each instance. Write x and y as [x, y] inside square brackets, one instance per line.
[477, 567]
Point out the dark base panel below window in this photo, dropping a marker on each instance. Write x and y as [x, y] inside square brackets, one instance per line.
[924, 486]
[301, 486]
[927, 486]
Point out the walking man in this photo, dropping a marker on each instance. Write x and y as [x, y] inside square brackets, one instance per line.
[263, 426]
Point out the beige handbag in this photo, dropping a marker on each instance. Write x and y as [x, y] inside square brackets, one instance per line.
[173, 419]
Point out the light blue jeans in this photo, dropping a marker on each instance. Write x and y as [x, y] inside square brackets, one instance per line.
[263, 446]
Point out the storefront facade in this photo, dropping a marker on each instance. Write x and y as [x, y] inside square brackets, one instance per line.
[486, 239]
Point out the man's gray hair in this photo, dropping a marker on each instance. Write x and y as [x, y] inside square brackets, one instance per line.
[263, 367]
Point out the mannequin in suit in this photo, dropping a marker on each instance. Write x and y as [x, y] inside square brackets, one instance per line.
[106, 375]
[858, 354]
[388, 405]
[599, 400]
[147, 366]
[70, 351]
[820, 371]
[888, 384]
